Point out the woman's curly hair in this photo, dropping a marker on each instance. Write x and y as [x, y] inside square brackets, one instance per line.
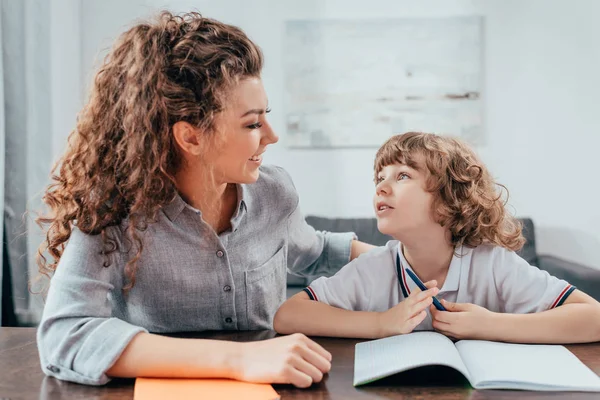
[122, 157]
[466, 200]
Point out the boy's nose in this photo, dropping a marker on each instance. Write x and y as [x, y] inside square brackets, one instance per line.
[382, 188]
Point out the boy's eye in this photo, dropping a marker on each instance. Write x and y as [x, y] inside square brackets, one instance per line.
[255, 126]
[403, 176]
[378, 179]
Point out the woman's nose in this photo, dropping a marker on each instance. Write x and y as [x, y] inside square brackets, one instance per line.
[270, 136]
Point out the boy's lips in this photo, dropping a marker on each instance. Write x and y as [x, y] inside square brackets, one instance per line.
[382, 206]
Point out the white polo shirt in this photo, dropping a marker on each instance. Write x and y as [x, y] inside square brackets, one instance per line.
[489, 276]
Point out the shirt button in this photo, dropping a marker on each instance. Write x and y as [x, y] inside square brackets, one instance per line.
[228, 320]
[227, 288]
[220, 254]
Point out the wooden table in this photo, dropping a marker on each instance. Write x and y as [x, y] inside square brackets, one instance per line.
[22, 378]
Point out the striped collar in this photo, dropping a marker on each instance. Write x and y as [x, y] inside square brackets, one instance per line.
[407, 286]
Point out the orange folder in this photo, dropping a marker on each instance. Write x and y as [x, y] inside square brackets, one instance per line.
[155, 389]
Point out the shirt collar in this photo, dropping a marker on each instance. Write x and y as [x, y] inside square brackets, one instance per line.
[244, 198]
[452, 278]
[175, 208]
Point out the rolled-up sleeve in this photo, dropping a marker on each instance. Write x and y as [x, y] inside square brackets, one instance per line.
[78, 339]
[315, 253]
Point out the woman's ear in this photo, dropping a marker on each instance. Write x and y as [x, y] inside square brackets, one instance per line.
[187, 138]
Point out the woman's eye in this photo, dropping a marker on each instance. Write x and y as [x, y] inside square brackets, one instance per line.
[255, 126]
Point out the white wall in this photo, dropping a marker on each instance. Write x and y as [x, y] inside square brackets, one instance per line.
[542, 59]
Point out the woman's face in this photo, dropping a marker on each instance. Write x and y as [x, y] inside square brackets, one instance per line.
[243, 134]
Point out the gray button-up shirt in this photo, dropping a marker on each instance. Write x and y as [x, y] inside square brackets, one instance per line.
[189, 278]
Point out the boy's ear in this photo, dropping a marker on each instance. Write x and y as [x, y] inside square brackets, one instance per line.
[187, 138]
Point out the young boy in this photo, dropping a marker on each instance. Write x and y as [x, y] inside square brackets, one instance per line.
[436, 198]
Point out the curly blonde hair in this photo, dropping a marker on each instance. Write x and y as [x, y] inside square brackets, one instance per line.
[122, 157]
[466, 199]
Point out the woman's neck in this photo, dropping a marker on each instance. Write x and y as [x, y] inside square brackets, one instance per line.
[216, 200]
[200, 189]
[429, 257]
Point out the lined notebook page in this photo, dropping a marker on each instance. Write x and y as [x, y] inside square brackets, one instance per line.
[521, 366]
[384, 357]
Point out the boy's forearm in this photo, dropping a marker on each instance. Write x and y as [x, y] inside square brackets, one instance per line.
[314, 318]
[569, 323]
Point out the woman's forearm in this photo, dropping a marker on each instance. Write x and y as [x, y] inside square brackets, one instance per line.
[149, 355]
[569, 323]
[314, 318]
[291, 359]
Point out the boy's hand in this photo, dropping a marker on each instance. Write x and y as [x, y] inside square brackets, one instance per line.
[406, 315]
[462, 320]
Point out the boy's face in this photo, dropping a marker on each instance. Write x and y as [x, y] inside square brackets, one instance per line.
[402, 205]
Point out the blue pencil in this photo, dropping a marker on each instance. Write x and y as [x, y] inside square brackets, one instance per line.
[417, 281]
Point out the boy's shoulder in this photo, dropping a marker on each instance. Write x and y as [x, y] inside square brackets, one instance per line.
[492, 257]
[374, 265]
[382, 254]
[490, 251]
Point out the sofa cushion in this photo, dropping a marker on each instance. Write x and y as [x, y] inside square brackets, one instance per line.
[585, 278]
[366, 230]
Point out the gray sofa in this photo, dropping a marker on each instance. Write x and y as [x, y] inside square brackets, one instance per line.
[584, 278]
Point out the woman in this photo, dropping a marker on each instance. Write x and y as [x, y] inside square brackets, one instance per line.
[172, 223]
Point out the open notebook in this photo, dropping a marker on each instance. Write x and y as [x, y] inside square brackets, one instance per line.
[486, 365]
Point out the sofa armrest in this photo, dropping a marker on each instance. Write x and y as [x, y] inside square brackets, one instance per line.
[585, 278]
